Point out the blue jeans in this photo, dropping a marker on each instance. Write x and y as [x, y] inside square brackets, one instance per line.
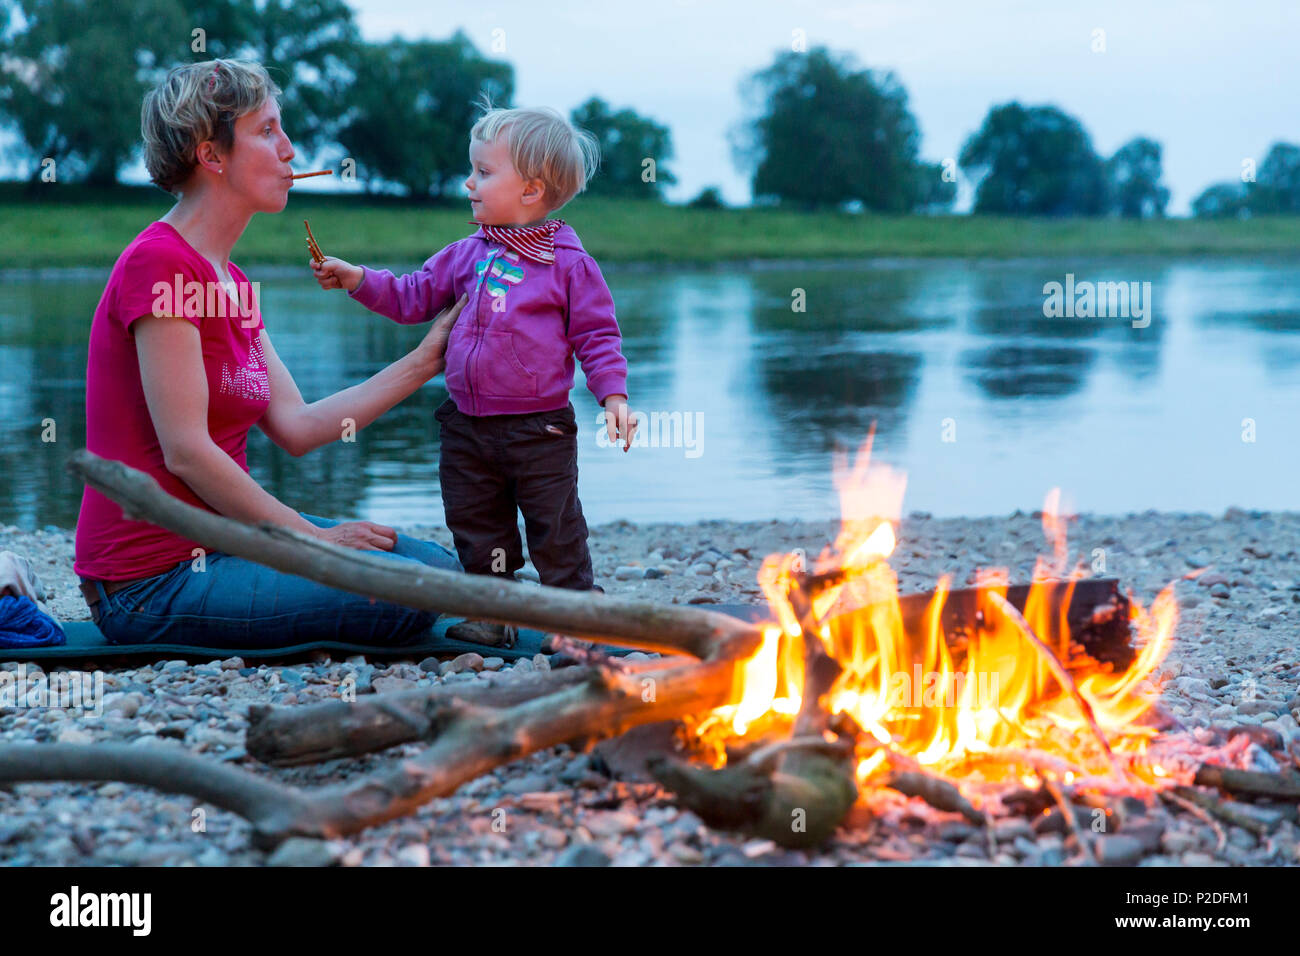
[238, 603]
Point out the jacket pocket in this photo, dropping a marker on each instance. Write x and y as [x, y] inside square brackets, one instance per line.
[498, 371]
[454, 358]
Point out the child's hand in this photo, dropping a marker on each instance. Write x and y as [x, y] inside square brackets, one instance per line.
[619, 421]
[336, 274]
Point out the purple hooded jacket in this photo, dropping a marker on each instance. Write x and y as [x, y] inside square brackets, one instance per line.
[511, 351]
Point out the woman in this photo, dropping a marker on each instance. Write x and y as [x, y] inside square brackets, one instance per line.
[181, 368]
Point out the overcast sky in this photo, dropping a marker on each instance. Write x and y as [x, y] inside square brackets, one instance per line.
[1213, 82]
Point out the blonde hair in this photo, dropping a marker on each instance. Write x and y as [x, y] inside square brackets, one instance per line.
[194, 103]
[543, 145]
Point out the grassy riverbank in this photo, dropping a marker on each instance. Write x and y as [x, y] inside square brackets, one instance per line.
[66, 225]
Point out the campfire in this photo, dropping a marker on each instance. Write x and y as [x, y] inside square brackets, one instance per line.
[965, 693]
[998, 699]
[966, 690]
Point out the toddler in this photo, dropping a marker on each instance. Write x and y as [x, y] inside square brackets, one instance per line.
[536, 299]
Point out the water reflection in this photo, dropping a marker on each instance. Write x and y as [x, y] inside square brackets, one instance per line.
[821, 398]
[984, 400]
[1028, 371]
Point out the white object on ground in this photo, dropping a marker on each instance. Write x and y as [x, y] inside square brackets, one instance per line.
[19, 579]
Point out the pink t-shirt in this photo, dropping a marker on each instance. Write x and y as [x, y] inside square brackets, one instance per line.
[159, 273]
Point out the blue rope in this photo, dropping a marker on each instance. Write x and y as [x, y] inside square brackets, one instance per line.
[23, 624]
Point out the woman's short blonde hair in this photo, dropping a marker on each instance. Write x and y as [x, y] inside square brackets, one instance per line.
[543, 145]
[194, 103]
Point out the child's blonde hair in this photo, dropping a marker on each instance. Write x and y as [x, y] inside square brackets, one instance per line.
[543, 145]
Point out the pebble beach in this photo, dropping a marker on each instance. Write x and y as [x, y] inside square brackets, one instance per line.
[1233, 673]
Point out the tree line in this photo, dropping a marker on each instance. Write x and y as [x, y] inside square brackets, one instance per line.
[821, 131]
[73, 74]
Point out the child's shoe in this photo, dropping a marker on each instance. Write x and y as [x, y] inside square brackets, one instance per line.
[484, 632]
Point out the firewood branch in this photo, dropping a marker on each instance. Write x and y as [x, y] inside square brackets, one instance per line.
[335, 729]
[1060, 673]
[795, 795]
[470, 741]
[662, 628]
[1283, 786]
[468, 738]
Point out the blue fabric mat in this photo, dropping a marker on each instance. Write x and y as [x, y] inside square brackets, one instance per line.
[85, 642]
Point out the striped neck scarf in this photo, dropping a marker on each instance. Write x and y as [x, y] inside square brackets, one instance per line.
[534, 242]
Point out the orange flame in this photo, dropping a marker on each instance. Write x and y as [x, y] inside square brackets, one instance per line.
[945, 700]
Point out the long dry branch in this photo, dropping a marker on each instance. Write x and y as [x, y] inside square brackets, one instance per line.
[467, 739]
[1249, 782]
[334, 729]
[707, 635]
[1224, 811]
[470, 741]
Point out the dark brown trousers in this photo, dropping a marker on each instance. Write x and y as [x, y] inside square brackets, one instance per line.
[491, 465]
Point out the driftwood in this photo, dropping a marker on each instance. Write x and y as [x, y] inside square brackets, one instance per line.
[667, 629]
[1223, 811]
[471, 741]
[467, 737]
[1198, 811]
[1249, 782]
[935, 790]
[1067, 814]
[808, 792]
[799, 796]
[334, 729]
[793, 807]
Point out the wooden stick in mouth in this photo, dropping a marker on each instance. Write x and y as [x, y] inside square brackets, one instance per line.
[316, 255]
[319, 172]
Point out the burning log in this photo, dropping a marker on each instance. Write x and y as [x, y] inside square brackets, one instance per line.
[1058, 671]
[808, 790]
[1095, 610]
[934, 790]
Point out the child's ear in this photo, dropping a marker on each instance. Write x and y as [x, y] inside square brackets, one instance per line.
[534, 192]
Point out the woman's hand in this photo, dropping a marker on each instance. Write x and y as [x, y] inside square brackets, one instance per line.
[433, 348]
[362, 535]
